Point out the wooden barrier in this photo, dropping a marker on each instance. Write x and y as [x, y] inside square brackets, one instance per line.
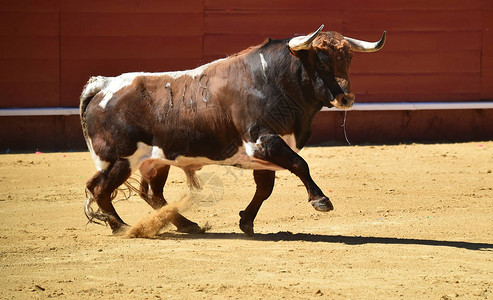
[436, 51]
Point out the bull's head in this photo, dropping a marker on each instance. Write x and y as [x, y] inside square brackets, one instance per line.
[328, 57]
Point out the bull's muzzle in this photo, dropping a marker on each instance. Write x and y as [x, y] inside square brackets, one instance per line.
[343, 101]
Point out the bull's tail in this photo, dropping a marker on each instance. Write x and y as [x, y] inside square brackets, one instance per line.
[192, 179]
[92, 87]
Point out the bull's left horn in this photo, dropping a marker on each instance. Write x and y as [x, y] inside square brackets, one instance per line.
[362, 46]
[303, 42]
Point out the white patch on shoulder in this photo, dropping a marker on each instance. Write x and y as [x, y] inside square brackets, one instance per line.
[264, 66]
[101, 165]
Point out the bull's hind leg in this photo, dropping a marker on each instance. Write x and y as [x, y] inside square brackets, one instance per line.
[265, 183]
[155, 179]
[101, 186]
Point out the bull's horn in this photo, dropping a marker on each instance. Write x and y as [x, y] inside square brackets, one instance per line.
[303, 42]
[362, 46]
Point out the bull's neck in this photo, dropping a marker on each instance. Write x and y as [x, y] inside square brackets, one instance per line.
[287, 76]
[301, 83]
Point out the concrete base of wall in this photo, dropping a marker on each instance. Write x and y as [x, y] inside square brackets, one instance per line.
[404, 126]
[63, 133]
[43, 133]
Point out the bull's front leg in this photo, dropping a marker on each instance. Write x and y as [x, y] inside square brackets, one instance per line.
[264, 180]
[272, 148]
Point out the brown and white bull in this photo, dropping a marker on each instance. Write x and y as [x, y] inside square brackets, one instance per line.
[252, 110]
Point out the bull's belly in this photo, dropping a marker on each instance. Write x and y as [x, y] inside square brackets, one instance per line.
[153, 156]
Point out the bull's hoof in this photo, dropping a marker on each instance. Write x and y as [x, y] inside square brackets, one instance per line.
[192, 228]
[184, 225]
[322, 204]
[120, 230]
[247, 228]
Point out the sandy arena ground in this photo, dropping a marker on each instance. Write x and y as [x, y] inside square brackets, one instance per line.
[410, 221]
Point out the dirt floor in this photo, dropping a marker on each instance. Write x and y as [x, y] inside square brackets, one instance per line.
[410, 221]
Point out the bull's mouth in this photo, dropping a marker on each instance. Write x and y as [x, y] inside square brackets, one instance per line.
[338, 105]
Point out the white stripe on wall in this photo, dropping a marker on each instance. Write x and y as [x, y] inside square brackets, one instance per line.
[418, 106]
[68, 111]
[44, 111]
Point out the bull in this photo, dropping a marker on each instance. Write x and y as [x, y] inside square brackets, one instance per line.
[251, 110]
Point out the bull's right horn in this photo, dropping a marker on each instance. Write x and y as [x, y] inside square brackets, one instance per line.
[363, 46]
[303, 42]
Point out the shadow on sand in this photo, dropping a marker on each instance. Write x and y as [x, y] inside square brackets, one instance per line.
[284, 236]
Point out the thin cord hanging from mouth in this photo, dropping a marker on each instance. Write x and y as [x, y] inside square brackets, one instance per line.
[344, 127]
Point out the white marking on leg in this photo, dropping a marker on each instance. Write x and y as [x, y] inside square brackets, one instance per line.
[245, 156]
[157, 153]
[101, 165]
[251, 147]
[264, 66]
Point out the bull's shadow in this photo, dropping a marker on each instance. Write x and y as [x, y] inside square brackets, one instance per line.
[333, 239]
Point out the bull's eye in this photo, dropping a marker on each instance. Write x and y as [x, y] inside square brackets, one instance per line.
[325, 66]
[324, 62]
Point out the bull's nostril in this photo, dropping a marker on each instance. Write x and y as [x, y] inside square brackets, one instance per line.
[344, 101]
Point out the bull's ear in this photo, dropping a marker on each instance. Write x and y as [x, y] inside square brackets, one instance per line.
[303, 42]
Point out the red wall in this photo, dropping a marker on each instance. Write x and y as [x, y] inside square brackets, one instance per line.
[440, 50]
